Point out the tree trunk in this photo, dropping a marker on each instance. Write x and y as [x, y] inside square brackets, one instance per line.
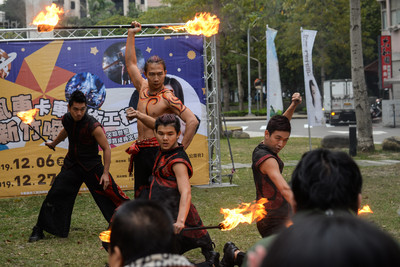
[225, 90]
[239, 85]
[363, 117]
[261, 91]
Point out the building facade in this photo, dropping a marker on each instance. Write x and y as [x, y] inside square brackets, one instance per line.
[390, 14]
[390, 61]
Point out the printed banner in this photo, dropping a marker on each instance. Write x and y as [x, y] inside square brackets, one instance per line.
[386, 59]
[313, 96]
[274, 91]
[42, 74]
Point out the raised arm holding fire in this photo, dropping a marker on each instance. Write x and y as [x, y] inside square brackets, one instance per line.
[154, 100]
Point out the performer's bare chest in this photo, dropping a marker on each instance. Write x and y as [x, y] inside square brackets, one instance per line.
[153, 106]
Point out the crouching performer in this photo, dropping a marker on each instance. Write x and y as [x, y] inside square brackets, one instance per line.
[82, 164]
[170, 187]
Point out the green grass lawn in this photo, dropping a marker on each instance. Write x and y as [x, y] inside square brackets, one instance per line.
[83, 248]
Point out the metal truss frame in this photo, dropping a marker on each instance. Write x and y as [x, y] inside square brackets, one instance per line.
[149, 30]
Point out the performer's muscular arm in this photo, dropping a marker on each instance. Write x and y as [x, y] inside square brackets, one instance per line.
[60, 137]
[186, 115]
[191, 125]
[131, 59]
[296, 100]
[101, 139]
[182, 178]
[147, 120]
[270, 167]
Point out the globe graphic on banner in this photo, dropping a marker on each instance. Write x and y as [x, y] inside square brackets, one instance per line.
[90, 85]
[5, 63]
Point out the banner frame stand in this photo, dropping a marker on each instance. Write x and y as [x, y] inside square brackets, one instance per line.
[210, 76]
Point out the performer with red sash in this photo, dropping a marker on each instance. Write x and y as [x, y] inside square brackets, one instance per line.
[154, 100]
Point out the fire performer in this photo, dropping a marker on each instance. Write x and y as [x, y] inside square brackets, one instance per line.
[82, 164]
[171, 188]
[154, 100]
[267, 171]
[323, 182]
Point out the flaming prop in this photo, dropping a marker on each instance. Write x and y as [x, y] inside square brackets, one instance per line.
[47, 21]
[105, 236]
[203, 23]
[365, 209]
[245, 213]
[27, 117]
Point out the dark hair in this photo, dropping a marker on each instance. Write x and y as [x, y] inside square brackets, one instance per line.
[154, 59]
[77, 97]
[176, 87]
[141, 228]
[325, 179]
[278, 123]
[168, 119]
[331, 241]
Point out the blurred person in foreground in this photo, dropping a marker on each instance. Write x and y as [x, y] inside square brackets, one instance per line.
[330, 240]
[142, 235]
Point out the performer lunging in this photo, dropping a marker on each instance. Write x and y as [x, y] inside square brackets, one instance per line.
[82, 164]
[171, 188]
[154, 100]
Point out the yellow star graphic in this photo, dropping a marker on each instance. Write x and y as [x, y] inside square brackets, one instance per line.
[204, 90]
[93, 50]
[148, 50]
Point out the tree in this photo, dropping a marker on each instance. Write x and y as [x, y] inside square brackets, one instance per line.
[363, 117]
[15, 12]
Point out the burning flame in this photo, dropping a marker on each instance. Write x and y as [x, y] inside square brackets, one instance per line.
[27, 116]
[245, 213]
[365, 209]
[105, 236]
[47, 21]
[203, 23]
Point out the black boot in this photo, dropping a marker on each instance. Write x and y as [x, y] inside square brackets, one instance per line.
[37, 234]
[228, 260]
[212, 258]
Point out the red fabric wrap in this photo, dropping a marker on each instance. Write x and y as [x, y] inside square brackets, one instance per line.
[134, 149]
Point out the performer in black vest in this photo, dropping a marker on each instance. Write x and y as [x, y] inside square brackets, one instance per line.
[82, 164]
[170, 187]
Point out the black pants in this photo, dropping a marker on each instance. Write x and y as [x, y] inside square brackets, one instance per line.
[143, 167]
[55, 213]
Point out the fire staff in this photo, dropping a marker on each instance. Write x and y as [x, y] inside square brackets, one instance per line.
[154, 100]
[82, 164]
[170, 187]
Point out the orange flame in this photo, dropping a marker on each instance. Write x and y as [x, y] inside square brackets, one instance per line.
[27, 116]
[47, 21]
[105, 236]
[365, 209]
[245, 213]
[203, 23]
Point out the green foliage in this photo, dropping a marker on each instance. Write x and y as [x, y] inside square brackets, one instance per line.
[331, 53]
[15, 11]
[83, 247]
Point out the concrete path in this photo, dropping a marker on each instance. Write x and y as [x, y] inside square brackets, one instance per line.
[294, 163]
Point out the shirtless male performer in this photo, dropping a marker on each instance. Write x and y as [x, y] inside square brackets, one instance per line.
[154, 100]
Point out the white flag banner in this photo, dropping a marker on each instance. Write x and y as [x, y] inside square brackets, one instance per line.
[274, 92]
[313, 96]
